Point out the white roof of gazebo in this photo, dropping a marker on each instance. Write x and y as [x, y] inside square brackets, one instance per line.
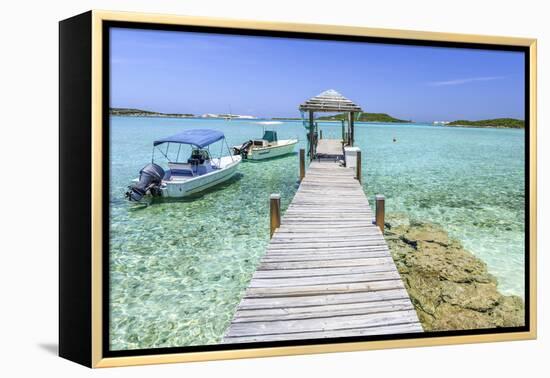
[330, 101]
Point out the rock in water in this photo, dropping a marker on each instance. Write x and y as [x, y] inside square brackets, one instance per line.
[449, 287]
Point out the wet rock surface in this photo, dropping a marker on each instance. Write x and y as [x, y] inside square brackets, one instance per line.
[450, 288]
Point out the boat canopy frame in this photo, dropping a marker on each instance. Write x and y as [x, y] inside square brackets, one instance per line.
[200, 139]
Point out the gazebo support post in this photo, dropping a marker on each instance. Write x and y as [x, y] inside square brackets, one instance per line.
[351, 129]
[330, 101]
[311, 136]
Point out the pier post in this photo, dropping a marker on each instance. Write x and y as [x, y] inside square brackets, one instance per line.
[320, 134]
[274, 213]
[302, 164]
[380, 199]
[311, 137]
[358, 166]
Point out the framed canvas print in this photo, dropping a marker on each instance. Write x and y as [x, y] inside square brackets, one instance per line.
[235, 189]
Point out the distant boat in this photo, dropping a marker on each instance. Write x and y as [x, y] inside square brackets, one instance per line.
[198, 173]
[270, 123]
[267, 147]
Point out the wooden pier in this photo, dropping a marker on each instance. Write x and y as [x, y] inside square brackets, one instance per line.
[329, 148]
[327, 271]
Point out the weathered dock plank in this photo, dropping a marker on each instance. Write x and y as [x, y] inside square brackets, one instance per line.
[327, 271]
[330, 147]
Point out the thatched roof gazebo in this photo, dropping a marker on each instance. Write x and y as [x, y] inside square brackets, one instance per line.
[329, 101]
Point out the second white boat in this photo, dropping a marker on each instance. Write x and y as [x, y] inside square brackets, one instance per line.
[267, 147]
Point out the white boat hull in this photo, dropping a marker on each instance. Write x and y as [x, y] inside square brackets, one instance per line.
[282, 147]
[178, 188]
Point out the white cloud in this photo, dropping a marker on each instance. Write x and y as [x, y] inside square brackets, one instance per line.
[464, 81]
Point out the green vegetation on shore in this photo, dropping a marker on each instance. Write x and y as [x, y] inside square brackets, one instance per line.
[497, 122]
[145, 113]
[365, 117]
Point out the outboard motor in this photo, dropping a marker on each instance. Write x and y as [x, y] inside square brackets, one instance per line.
[150, 178]
[243, 149]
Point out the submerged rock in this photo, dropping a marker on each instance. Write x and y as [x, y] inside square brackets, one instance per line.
[450, 288]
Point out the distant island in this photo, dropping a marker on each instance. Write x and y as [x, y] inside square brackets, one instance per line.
[365, 117]
[129, 112]
[508, 123]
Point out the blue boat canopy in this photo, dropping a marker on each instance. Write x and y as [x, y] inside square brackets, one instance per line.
[196, 137]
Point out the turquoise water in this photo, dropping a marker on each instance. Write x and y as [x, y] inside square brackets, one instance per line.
[178, 268]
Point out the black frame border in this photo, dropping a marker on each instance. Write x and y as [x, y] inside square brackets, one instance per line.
[107, 25]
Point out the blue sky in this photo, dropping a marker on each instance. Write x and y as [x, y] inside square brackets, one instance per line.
[181, 72]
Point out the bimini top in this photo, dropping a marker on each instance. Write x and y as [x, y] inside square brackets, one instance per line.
[196, 137]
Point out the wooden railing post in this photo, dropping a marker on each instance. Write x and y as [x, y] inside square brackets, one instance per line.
[358, 166]
[302, 164]
[274, 213]
[320, 134]
[380, 199]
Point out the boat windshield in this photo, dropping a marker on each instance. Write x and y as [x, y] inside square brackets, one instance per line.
[270, 136]
[200, 155]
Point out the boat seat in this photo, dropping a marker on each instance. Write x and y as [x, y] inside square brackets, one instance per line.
[181, 172]
[180, 169]
[195, 160]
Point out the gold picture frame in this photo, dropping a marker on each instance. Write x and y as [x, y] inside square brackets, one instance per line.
[95, 20]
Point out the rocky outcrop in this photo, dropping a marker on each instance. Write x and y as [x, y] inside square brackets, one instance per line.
[449, 287]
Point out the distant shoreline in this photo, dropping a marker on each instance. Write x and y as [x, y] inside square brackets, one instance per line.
[370, 118]
[500, 123]
[366, 117]
[479, 127]
[129, 112]
[363, 117]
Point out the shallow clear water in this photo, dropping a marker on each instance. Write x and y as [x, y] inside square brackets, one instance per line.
[178, 268]
[470, 181]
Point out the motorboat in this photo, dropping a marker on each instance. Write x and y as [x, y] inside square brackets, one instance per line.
[267, 147]
[199, 172]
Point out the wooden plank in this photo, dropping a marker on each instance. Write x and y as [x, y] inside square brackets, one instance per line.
[324, 239]
[253, 292]
[327, 280]
[323, 272]
[273, 249]
[322, 244]
[353, 332]
[320, 324]
[329, 147]
[289, 257]
[270, 315]
[321, 300]
[328, 233]
[325, 263]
